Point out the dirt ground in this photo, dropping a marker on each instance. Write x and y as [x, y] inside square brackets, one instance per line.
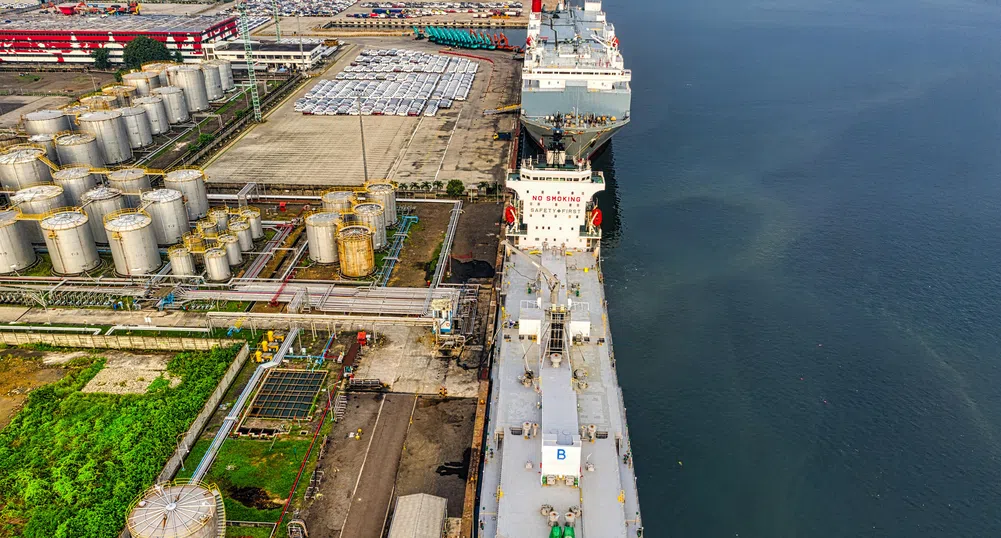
[22, 371]
[424, 238]
[436, 453]
[65, 82]
[130, 373]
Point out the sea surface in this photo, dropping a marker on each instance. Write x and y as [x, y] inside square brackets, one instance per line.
[803, 266]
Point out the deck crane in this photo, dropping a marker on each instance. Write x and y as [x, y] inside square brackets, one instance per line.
[255, 99]
[551, 280]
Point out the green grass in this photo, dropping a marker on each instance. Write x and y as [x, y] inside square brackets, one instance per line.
[28, 77]
[42, 268]
[247, 532]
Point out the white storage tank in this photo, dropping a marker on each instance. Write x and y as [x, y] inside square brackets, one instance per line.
[225, 73]
[182, 262]
[48, 142]
[207, 228]
[79, 148]
[253, 217]
[20, 167]
[137, 126]
[180, 509]
[220, 215]
[231, 245]
[213, 81]
[170, 220]
[37, 200]
[217, 265]
[159, 69]
[191, 80]
[112, 134]
[132, 242]
[46, 121]
[240, 227]
[385, 194]
[339, 201]
[321, 236]
[74, 110]
[70, 242]
[156, 113]
[132, 182]
[123, 92]
[372, 215]
[99, 202]
[354, 248]
[191, 183]
[16, 253]
[100, 102]
[75, 181]
[143, 81]
[175, 103]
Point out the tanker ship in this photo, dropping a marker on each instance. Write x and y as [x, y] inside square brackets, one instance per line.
[557, 460]
[574, 80]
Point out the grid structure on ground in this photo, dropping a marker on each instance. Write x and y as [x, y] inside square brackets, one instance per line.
[287, 394]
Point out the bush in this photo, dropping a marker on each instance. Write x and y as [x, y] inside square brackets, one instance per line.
[142, 50]
[102, 58]
[455, 187]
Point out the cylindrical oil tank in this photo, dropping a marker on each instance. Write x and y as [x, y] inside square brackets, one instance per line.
[21, 167]
[339, 201]
[182, 262]
[191, 80]
[207, 228]
[159, 69]
[170, 220]
[46, 121]
[123, 92]
[321, 236]
[37, 200]
[217, 265]
[79, 148]
[16, 253]
[70, 242]
[385, 194]
[8, 139]
[354, 248]
[97, 203]
[220, 215]
[194, 241]
[74, 110]
[47, 141]
[213, 81]
[132, 182]
[225, 73]
[241, 228]
[191, 183]
[174, 102]
[371, 214]
[100, 102]
[231, 245]
[132, 242]
[112, 135]
[176, 510]
[143, 81]
[156, 113]
[253, 217]
[137, 126]
[75, 181]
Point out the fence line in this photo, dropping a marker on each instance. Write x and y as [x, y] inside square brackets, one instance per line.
[158, 343]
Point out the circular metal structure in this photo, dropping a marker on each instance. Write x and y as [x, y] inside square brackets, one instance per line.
[372, 214]
[8, 139]
[16, 253]
[175, 103]
[253, 217]
[156, 113]
[46, 121]
[354, 247]
[225, 73]
[180, 509]
[231, 244]
[191, 183]
[170, 220]
[194, 241]
[47, 141]
[133, 181]
[73, 111]
[217, 265]
[159, 69]
[385, 194]
[182, 262]
[97, 203]
[137, 126]
[79, 148]
[132, 242]
[37, 200]
[241, 228]
[112, 134]
[70, 241]
[339, 201]
[321, 236]
[124, 92]
[75, 181]
[220, 215]
[213, 81]
[101, 102]
[190, 79]
[21, 167]
[143, 81]
[207, 228]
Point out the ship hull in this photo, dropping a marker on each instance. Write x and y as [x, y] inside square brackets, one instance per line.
[579, 143]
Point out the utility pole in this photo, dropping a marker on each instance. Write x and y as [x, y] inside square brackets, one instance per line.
[361, 128]
[248, 52]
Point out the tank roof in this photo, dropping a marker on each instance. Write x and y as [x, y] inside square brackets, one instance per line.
[167, 89]
[44, 114]
[237, 225]
[118, 88]
[178, 250]
[8, 216]
[147, 100]
[64, 220]
[184, 174]
[355, 231]
[379, 187]
[131, 110]
[161, 195]
[256, 211]
[71, 139]
[172, 511]
[183, 67]
[21, 155]
[37, 192]
[139, 75]
[100, 115]
[214, 253]
[72, 172]
[129, 220]
[124, 174]
[101, 193]
[369, 208]
[42, 137]
[337, 195]
[227, 238]
[101, 97]
[324, 218]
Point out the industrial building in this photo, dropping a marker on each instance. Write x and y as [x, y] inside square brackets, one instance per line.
[418, 516]
[61, 39]
[274, 56]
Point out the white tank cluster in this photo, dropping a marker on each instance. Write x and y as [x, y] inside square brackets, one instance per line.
[191, 80]
[223, 237]
[180, 509]
[352, 226]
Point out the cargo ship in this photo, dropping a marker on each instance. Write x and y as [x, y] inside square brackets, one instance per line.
[557, 460]
[574, 80]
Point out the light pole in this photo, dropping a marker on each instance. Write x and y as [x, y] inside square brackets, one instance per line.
[361, 128]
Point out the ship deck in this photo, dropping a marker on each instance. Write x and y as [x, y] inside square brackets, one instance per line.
[512, 493]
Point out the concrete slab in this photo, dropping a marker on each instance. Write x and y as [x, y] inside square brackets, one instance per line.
[405, 361]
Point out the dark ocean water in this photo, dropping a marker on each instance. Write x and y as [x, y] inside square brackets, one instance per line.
[802, 261]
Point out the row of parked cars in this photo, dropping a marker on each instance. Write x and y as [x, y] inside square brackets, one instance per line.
[291, 8]
[375, 107]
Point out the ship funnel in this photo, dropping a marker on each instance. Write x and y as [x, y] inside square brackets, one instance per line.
[536, 6]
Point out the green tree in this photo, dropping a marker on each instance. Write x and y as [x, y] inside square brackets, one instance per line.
[455, 187]
[437, 185]
[178, 57]
[426, 186]
[102, 58]
[142, 50]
